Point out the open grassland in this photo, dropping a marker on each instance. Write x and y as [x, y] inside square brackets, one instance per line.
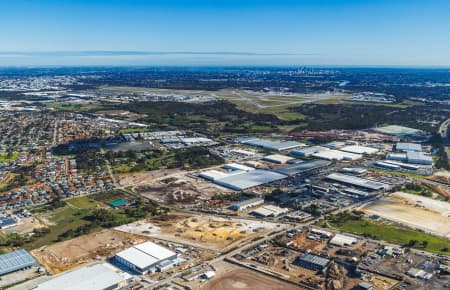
[83, 202]
[74, 107]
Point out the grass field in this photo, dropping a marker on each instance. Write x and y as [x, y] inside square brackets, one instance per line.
[4, 158]
[109, 195]
[75, 107]
[70, 217]
[392, 234]
[83, 202]
[59, 221]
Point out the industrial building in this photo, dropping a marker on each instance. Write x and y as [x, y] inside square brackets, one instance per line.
[146, 258]
[308, 151]
[343, 240]
[213, 174]
[418, 157]
[335, 144]
[355, 193]
[242, 205]
[269, 211]
[196, 141]
[93, 277]
[243, 180]
[387, 165]
[278, 158]
[413, 157]
[337, 155]
[312, 262]
[395, 165]
[402, 146]
[358, 182]
[15, 261]
[321, 233]
[354, 170]
[269, 144]
[244, 153]
[302, 167]
[358, 149]
[236, 166]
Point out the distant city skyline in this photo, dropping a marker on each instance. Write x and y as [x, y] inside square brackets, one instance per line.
[246, 32]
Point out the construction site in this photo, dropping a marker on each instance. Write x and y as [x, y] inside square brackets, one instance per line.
[83, 250]
[171, 185]
[202, 231]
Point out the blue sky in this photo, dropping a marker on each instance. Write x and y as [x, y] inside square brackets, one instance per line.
[218, 32]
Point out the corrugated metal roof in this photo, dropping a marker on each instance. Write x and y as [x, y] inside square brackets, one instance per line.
[402, 146]
[357, 181]
[249, 179]
[15, 261]
[146, 254]
[94, 277]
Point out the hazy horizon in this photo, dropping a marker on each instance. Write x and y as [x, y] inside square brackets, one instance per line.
[384, 33]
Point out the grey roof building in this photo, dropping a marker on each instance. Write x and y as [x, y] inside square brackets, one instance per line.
[312, 262]
[15, 261]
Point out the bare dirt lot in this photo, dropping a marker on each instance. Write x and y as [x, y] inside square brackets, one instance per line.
[441, 176]
[414, 211]
[25, 225]
[231, 277]
[171, 185]
[202, 231]
[65, 255]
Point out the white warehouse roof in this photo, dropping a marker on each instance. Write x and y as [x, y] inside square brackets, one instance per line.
[94, 277]
[357, 181]
[235, 166]
[278, 158]
[402, 146]
[146, 254]
[213, 174]
[337, 155]
[249, 179]
[308, 151]
[357, 149]
[269, 144]
[343, 240]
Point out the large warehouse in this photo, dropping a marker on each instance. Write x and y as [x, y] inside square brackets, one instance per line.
[358, 149]
[15, 261]
[302, 167]
[357, 181]
[269, 144]
[93, 277]
[247, 179]
[308, 151]
[145, 258]
[337, 155]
